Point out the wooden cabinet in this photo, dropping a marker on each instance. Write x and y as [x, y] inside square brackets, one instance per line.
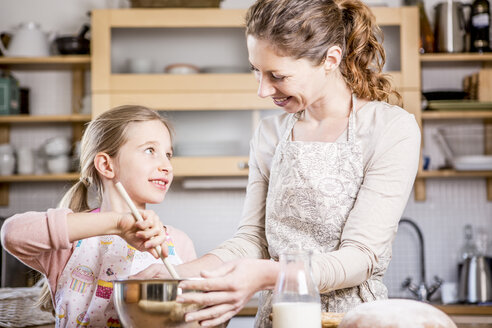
[77, 65]
[485, 116]
[215, 92]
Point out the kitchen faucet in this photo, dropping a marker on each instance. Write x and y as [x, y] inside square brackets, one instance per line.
[422, 291]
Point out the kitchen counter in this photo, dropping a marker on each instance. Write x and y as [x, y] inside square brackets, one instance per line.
[465, 316]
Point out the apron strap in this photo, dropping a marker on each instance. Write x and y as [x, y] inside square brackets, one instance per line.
[351, 124]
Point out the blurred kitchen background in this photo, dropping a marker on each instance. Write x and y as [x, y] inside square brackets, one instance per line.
[210, 214]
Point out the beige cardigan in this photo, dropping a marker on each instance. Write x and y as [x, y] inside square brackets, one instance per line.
[390, 141]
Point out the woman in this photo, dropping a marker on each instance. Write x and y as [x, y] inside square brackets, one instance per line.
[331, 174]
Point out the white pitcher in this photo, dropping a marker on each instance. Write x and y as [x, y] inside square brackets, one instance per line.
[28, 41]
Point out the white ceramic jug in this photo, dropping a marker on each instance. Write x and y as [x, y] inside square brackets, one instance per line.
[28, 41]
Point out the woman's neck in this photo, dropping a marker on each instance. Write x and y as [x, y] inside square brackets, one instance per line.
[335, 104]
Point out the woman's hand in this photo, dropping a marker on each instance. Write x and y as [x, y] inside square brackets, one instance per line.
[227, 289]
[143, 235]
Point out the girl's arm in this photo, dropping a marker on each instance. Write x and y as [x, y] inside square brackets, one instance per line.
[39, 240]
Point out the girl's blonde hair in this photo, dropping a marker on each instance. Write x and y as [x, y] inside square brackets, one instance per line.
[308, 28]
[106, 133]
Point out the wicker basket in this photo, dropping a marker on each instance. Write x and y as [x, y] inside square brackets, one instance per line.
[17, 307]
[175, 3]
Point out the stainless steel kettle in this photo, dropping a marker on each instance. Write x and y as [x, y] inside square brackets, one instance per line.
[450, 26]
[475, 284]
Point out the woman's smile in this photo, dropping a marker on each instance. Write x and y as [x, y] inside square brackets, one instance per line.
[281, 101]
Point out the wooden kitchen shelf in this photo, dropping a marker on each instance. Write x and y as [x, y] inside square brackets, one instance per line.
[454, 174]
[78, 65]
[43, 63]
[45, 119]
[210, 166]
[456, 57]
[40, 178]
[464, 114]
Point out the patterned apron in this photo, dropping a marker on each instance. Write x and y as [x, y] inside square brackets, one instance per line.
[312, 189]
[84, 292]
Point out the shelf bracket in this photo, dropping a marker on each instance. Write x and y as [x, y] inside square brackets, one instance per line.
[488, 151]
[4, 194]
[419, 190]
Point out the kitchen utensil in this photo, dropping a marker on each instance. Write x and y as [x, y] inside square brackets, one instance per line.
[444, 95]
[74, 45]
[179, 68]
[57, 146]
[59, 164]
[9, 94]
[296, 301]
[7, 159]
[462, 163]
[138, 217]
[475, 280]
[140, 65]
[152, 304]
[25, 160]
[28, 41]
[449, 292]
[450, 26]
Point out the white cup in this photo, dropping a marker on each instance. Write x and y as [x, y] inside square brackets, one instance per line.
[449, 292]
[140, 65]
[25, 160]
[7, 159]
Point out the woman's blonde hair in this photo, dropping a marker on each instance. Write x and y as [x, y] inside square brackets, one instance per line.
[308, 28]
[106, 133]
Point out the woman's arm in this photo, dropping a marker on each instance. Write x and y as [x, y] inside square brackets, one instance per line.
[373, 221]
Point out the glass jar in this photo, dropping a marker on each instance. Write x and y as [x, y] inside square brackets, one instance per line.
[296, 301]
[7, 159]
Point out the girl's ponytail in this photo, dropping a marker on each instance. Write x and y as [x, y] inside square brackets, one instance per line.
[364, 54]
[76, 198]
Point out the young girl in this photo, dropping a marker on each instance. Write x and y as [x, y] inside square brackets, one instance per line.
[81, 248]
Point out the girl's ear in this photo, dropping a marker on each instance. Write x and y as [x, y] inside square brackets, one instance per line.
[333, 58]
[104, 164]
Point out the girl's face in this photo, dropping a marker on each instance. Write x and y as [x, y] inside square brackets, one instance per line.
[293, 84]
[143, 163]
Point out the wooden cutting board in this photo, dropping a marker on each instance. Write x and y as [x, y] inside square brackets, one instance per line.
[331, 319]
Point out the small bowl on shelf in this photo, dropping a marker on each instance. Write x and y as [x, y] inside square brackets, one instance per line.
[59, 164]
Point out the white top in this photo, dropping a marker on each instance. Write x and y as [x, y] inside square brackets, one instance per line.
[390, 141]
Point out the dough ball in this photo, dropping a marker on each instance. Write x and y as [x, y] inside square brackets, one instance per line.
[396, 313]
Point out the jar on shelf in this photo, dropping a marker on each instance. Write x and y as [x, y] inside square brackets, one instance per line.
[296, 301]
[7, 159]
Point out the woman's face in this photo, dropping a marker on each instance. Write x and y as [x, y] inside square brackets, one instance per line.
[293, 84]
[143, 162]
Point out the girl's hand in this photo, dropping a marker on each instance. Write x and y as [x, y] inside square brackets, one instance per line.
[227, 289]
[143, 235]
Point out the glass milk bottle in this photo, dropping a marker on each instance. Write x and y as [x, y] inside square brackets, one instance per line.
[296, 302]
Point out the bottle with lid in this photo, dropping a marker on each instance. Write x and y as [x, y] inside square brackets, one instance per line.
[426, 33]
[296, 301]
[479, 26]
[469, 248]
